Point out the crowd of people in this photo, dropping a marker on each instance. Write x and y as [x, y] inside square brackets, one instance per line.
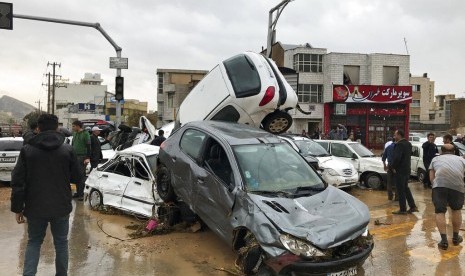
[339, 132]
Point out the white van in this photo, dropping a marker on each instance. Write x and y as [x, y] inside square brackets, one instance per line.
[247, 88]
[417, 168]
[369, 166]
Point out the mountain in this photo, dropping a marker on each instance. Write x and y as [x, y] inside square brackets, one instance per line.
[17, 108]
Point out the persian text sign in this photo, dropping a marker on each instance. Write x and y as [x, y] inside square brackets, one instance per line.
[372, 94]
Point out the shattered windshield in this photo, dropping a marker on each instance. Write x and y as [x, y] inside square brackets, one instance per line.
[311, 148]
[275, 168]
[361, 150]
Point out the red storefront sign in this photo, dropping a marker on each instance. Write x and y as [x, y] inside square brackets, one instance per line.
[372, 94]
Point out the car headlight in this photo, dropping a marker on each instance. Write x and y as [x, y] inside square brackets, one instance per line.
[299, 247]
[331, 172]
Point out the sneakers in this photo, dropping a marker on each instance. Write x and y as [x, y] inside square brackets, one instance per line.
[399, 212]
[443, 245]
[457, 241]
[412, 210]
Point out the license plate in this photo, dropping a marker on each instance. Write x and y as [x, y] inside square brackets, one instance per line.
[349, 272]
[8, 159]
[349, 180]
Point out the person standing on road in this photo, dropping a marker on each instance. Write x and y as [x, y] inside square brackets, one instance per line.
[31, 132]
[41, 192]
[387, 155]
[401, 169]
[446, 172]
[159, 139]
[447, 139]
[430, 150]
[95, 148]
[81, 146]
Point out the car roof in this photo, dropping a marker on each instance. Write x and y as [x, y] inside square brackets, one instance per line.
[145, 149]
[236, 133]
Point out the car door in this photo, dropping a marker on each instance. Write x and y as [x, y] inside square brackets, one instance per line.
[185, 164]
[214, 189]
[113, 181]
[414, 160]
[343, 151]
[138, 195]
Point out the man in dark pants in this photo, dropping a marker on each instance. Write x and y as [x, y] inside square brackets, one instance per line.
[95, 148]
[430, 150]
[41, 192]
[446, 172]
[81, 146]
[401, 169]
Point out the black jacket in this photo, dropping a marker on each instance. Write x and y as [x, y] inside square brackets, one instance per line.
[41, 179]
[429, 152]
[95, 149]
[158, 140]
[402, 156]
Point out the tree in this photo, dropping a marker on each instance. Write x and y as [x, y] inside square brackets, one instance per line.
[132, 120]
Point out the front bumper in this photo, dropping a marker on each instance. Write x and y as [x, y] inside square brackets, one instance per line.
[341, 181]
[5, 174]
[288, 263]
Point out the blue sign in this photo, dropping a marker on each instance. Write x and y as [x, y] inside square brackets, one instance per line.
[86, 107]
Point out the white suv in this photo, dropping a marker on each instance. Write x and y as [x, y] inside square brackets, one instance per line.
[370, 167]
[335, 171]
[247, 88]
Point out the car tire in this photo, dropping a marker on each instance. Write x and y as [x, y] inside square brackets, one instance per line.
[277, 122]
[169, 214]
[164, 188]
[250, 258]
[95, 199]
[421, 174]
[374, 181]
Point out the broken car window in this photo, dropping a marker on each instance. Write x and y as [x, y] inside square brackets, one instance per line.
[218, 163]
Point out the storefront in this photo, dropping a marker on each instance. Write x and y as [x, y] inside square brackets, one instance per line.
[371, 112]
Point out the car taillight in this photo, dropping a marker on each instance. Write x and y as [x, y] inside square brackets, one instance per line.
[269, 95]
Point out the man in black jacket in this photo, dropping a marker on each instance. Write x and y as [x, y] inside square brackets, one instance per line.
[430, 150]
[95, 148]
[41, 192]
[401, 169]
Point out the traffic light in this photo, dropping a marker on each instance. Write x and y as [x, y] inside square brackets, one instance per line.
[6, 16]
[119, 88]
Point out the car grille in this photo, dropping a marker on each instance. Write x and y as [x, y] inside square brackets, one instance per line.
[347, 172]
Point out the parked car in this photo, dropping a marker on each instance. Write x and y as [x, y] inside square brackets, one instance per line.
[126, 181]
[260, 196]
[335, 171]
[247, 88]
[417, 167]
[417, 137]
[369, 166]
[126, 136]
[9, 153]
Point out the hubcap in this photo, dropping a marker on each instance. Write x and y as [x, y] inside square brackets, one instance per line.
[278, 125]
[94, 199]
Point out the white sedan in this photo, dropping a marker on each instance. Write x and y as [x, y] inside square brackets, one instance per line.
[9, 153]
[126, 181]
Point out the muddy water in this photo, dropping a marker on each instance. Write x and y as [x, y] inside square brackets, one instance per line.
[404, 245]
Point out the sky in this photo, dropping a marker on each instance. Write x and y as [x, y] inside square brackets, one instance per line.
[187, 34]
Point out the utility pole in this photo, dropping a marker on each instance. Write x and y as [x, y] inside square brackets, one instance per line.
[48, 94]
[52, 100]
[271, 39]
[38, 102]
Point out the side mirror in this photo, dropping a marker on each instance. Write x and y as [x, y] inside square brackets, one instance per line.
[354, 156]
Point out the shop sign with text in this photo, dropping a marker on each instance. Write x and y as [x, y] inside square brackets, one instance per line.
[372, 94]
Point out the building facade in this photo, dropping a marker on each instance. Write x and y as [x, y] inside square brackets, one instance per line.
[422, 99]
[173, 85]
[129, 107]
[323, 76]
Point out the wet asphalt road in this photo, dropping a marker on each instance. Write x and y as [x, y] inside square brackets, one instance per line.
[404, 245]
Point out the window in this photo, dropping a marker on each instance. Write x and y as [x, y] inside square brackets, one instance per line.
[120, 166]
[415, 103]
[431, 116]
[415, 151]
[416, 88]
[170, 100]
[340, 150]
[415, 117]
[160, 83]
[390, 75]
[11, 145]
[243, 75]
[140, 170]
[310, 93]
[308, 63]
[340, 109]
[218, 163]
[227, 114]
[191, 142]
[351, 74]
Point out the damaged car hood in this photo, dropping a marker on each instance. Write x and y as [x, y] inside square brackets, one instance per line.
[326, 219]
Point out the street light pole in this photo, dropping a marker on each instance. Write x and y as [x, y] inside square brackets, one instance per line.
[272, 25]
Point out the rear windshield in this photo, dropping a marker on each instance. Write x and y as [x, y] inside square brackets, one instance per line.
[11, 145]
[243, 75]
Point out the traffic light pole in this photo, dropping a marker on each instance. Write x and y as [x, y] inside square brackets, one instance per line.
[84, 24]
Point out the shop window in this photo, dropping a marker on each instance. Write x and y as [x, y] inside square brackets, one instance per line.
[351, 75]
[416, 88]
[310, 93]
[340, 109]
[415, 103]
[308, 63]
[390, 75]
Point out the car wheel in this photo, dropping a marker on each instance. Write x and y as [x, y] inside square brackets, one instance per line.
[374, 181]
[250, 256]
[164, 187]
[169, 214]
[95, 199]
[421, 175]
[277, 122]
